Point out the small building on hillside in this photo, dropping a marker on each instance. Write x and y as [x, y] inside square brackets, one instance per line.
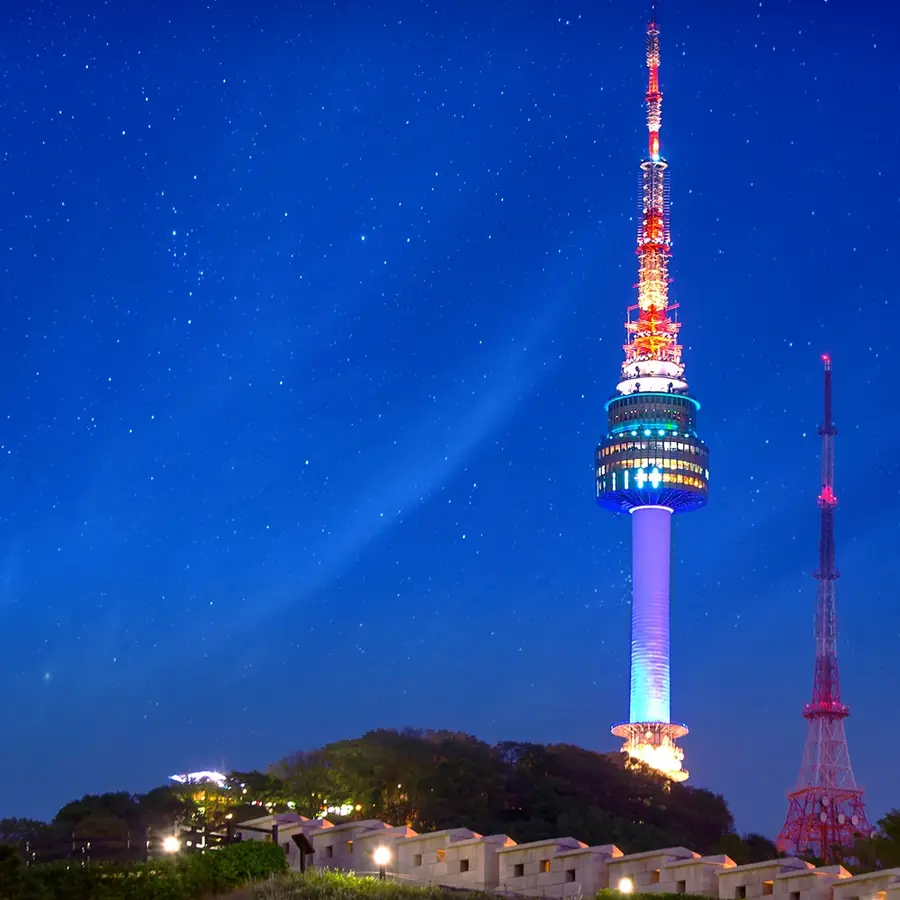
[757, 879]
[528, 868]
[809, 884]
[365, 845]
[582, 871]
[643, 871]
[883, 885]
[474, 863]
[694, 875]
[423, 858]
[288, 825]
[334, 847]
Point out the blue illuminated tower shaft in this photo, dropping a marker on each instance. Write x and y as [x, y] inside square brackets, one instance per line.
[651, 541]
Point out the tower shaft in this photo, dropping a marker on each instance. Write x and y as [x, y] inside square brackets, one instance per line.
[825, 810]
[651, 544]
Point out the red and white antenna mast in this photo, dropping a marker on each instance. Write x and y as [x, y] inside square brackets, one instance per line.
[825, 810]
[652, 351]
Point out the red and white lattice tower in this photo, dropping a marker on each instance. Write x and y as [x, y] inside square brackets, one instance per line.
[825, 810]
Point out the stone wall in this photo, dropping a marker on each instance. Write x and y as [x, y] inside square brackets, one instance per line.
[562, 867]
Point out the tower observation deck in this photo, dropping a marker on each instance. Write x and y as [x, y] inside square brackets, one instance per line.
[652, 464]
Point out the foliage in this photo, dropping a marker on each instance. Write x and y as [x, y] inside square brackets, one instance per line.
[751, 848]
[180, 878]
[881, 850]
[441, 779]
[13, 831]
[327, 885]
[438, 779]
[17, 882]
[118, 812]
[663, 895]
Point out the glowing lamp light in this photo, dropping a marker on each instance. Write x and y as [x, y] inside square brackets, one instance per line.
[382, 857]
[655, 478]
[626, 886]
[171, 844]
[646, 432]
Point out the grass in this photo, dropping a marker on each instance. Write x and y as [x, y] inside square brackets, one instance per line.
[341, 886]
[326, 885]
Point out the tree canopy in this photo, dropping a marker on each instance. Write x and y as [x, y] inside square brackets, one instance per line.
[441, 779]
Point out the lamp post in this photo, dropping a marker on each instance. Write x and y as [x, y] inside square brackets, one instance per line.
[381, 856]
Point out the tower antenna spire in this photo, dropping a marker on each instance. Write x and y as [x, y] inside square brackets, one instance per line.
[651, 463]
[825, 809]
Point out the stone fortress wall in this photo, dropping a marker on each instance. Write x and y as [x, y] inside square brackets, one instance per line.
[559, 867]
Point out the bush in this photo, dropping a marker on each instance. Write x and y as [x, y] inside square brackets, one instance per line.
[665, 895]
[185, 877]
[325, 885]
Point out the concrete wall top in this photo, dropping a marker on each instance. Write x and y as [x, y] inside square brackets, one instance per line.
[364, 825]
[890, 875]
[840, 871]
[822, 871]
[610, 850]
[726, 862]
[670, 852]
[782, 865]
[394, 830]
[503, 839]
[561, 844]
[271, 819]
[452, 835]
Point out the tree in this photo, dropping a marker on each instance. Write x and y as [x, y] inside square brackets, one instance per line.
[748, 849]
[160, 808]
[307, 780]
[17, 882]
[886, 841]
[18, 831]
[121, 805]
[438, 779]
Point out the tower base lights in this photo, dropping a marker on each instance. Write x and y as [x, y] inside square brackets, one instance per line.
[653, 743]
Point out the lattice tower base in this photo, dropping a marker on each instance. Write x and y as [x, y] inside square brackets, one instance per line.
[825, 810]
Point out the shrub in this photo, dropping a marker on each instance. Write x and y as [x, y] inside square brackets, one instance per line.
[325, 885]
[665, 895]
[184, 877]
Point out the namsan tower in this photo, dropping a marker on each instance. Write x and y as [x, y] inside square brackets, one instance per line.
[651, 464]
[825, 810]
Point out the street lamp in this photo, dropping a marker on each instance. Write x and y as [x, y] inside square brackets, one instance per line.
[171, 844]
[626, 886]
[381, 856]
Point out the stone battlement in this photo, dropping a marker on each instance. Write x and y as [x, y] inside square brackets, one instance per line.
[562, 867]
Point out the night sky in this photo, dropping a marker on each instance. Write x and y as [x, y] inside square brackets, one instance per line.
[309, 315]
